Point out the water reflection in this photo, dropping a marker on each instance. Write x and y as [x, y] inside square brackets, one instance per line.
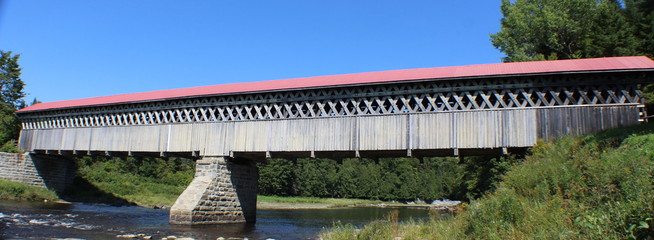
[21, 220]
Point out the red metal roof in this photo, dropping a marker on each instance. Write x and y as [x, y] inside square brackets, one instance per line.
[496, 69]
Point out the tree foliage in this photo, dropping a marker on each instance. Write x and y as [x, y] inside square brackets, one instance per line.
[386, 179]
[11, 96]
[279, 175]
[11, 85]
[570, 29]
[172, 171]
[9, 124]
[641, 15]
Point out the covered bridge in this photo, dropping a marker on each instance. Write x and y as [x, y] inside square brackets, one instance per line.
[415, 112]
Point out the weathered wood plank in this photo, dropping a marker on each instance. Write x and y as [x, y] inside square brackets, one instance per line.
[382, 132]
[421, 131]
[573, 121]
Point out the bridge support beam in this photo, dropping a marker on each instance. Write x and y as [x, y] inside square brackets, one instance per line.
[222, 191]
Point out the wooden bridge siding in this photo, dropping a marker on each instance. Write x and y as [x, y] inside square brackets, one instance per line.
[144, 139]
[475, 129]
[478, 130]
[330, 134]
[444, 130]
[383, 133]
[186, 137]
[526, 119]
[435, 131]
[556, 122]
[48, 138]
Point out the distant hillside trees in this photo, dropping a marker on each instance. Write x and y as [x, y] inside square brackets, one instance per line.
[386, 179]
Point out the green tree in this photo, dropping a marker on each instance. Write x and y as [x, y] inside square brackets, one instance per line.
[369, 179]
[276, 177]
[640, 14]
[564, 29]
[316, 177]
[389, 179]
[35, 101]
[612, 34]
[442, 177]
[11, 86]
[349, 178]
[484, 173]
[9, 123]
[407, 171]
[11, 96]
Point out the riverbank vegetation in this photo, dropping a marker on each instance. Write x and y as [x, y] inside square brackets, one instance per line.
[597, 186]
[151, 182]
[402, 179]
[18, 191]
[276, 202]
[305, 183]
[157, 182]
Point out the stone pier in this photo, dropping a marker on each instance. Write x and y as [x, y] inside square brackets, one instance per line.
[223, 191]
[52, 172]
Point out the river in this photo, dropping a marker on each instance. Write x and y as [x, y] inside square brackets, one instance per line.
[25, 220]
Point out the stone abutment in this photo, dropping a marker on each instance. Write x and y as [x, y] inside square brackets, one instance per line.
[52, 172]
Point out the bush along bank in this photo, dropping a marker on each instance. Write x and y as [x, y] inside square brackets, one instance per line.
[18, 191]
[598, 186]
[150, 182]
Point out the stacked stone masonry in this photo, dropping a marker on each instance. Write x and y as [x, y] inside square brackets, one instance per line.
[52, 172]
[222, 192]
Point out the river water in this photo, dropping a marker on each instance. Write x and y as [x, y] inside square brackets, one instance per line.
[24, 220]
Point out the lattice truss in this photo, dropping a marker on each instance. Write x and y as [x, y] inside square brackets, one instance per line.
[415, 97]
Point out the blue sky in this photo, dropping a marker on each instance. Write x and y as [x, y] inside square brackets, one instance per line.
[79, 48]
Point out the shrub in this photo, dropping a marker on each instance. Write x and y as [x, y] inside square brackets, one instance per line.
[598, 186]
[11, 146]
[18, 191]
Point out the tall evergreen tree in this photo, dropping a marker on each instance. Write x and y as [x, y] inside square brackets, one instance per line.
[641, 15]
[611, 33]
[11, 85]
[11, 96]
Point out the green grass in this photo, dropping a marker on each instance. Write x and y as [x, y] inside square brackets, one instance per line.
[308, 202]
[139, 190]
[18, 191]
[598, 186]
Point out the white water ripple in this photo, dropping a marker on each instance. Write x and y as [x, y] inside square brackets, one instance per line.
[51, 220]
